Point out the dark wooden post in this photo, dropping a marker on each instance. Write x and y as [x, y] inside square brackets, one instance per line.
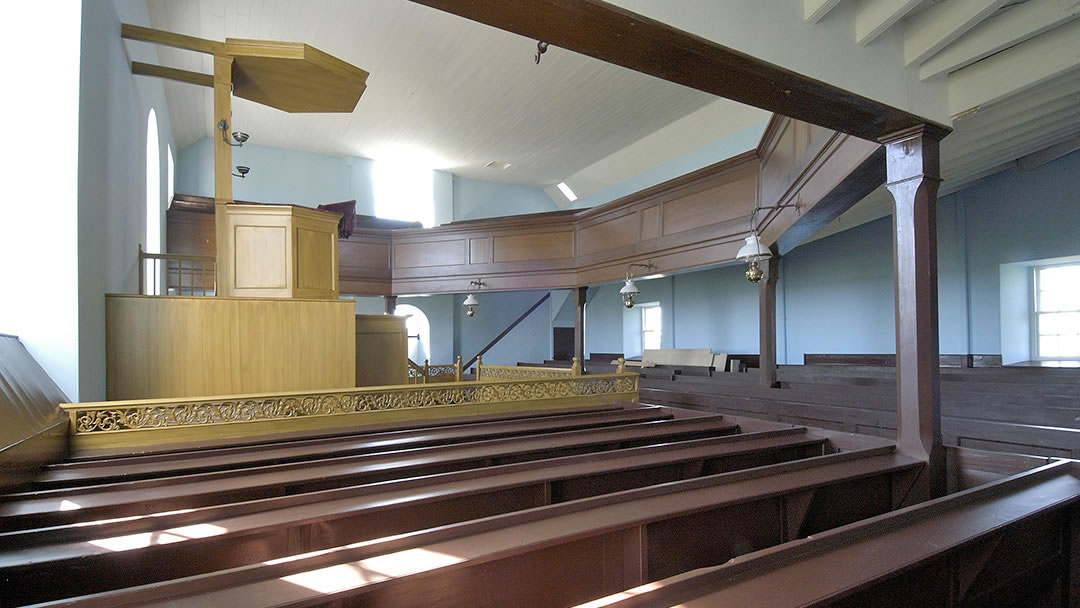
[391, 303]
[913, 168]
[579, 323]
[767, 323]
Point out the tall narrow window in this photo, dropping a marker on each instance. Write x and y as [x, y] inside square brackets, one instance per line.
[171, 190]
[1057, 312]
[153, 200]
[650, 326]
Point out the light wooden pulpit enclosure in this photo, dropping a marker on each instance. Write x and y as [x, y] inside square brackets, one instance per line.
[279, 251]
[382, 350]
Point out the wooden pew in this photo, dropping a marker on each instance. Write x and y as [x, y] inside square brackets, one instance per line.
[139, 497]
[87, 472]
[564, 553]
[1012, 543]
[150, 549]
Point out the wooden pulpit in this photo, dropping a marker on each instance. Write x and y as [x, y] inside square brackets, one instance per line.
[279, 251]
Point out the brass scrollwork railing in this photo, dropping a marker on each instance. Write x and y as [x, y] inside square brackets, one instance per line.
[486, 373]
[427, 373]
[121, 416]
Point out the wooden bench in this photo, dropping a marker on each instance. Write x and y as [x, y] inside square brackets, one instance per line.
[1010, 543]
[563, 553]
[139, 497]
[87, 472]
[149, 549]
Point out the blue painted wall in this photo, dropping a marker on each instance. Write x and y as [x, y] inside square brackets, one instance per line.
[836, 294]
[475, 199]
[741, 141]
[304, 178]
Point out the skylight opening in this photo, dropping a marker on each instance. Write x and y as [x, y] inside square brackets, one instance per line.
[404, 191]
[567, 192]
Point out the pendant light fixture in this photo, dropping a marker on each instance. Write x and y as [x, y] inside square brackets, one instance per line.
[470, 302]
[630, 290]
[754, 250]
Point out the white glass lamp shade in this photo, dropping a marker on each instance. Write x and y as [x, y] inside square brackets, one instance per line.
[753, 250]
[628, 292]
[470, 305]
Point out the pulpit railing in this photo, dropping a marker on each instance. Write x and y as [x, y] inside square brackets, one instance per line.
[176, 275]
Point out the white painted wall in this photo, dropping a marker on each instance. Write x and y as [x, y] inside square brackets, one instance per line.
[38, 216]
[113, 110]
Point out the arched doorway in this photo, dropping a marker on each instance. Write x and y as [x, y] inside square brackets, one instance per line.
[419, 330]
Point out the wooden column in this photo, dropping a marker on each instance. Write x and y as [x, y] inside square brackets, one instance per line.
[222, 158]
[913, 168]
[391, 303]
[580, 295]
[767, 322]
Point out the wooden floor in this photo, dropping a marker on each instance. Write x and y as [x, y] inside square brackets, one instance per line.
[546, 508]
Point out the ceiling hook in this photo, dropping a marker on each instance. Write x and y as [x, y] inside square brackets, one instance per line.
[541, 48]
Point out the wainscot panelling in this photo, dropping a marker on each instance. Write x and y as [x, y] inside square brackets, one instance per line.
[170, 346]
[694, 221]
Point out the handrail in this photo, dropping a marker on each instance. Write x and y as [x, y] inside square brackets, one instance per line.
[149, 421]
[422, 374]
[487, 373]
[508, 329]
[200, 273]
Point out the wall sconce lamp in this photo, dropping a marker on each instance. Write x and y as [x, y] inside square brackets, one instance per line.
[754, 251]
[629, 290]
[239, 136]
[470, 302]
[241, 171]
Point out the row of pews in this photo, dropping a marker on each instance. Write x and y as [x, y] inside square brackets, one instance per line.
[624, 504]
[1020, 410]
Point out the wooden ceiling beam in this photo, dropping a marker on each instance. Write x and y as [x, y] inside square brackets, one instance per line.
[147, 69]
[815, 10]
[874, 17]
[1021, 22]
[180, 41]
[935, 28]
[1013, 71]
[621, 37]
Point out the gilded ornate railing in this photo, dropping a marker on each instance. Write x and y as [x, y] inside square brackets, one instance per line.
[427, 373]
[115, 423]
[486, 373]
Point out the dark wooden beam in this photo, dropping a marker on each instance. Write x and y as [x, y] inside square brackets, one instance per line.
[914, 173]
[619, 36]
[855, 187]
[580, 296]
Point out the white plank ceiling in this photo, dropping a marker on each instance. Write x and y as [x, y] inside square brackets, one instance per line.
[454, 95]
[444, 92]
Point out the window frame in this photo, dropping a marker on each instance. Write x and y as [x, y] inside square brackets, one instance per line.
[1036, 354]
[659, 330]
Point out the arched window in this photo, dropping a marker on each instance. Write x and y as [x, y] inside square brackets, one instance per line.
[419, 330]
[153, 198]
[171, 191]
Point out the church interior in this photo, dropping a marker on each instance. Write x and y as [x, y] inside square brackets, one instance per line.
[549, 303]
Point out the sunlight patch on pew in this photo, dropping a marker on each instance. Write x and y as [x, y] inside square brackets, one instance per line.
[145, 539]
[67, 505]
[620, 596]
[341, 577]
[98, 522]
